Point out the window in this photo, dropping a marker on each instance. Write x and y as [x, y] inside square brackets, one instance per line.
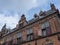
[49, 44]
[4, 44]
[29, 31]
[10, 42]
[30, 37]
[11, 37]
[29, 44]
[44, 25]
[30, 34]
[45, 29]
[44, 32]
[19, 37]
[19, 34]
[58, 37]
[4, 39]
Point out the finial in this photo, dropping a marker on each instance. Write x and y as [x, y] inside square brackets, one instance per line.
[35, 15]
[52, 6]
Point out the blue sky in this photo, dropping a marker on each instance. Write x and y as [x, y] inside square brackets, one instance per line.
[11, 10]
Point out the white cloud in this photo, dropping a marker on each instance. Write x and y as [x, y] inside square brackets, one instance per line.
[21, 5]
[11, 21]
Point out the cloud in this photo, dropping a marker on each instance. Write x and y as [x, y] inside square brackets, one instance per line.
[11, 21]
[10, 8]
[20, 5]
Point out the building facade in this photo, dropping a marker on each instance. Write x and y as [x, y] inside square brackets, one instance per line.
[43, 29]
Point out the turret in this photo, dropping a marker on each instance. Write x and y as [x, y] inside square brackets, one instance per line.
[53, 6]
[22, 22]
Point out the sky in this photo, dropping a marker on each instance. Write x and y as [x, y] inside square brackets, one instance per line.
[11, 10]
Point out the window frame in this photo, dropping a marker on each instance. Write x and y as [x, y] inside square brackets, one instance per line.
[45, 25]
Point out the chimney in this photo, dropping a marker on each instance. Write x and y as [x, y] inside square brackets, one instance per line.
[53, 6]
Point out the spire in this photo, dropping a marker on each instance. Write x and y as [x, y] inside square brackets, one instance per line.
[52, 6]
[4, 27]
[3, 30]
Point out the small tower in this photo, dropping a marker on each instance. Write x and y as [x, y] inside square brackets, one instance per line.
[23, 19]
[22, 22]
[52, 6]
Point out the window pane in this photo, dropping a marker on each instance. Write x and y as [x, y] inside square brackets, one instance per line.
[48, 30]
[44, 32]
[50, 44]
[31, 37]
[19, 34]
[11, 37]
[4, 39]
[43, 26]
[47, 24]
[29, 31]
[28, 37]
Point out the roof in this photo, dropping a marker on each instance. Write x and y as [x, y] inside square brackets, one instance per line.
[40, 17]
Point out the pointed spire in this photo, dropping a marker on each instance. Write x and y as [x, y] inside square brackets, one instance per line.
[52, 6]
[3, 30]
[4, 27]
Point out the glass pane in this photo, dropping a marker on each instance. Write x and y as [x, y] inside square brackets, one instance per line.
[4, 39]
[19, 34]
[28, 37]
[31, 37]
[47, 24]
[44, 32]
[11, 37]
[50, 44]
[29, 31]
[48, 30]
[43, 26]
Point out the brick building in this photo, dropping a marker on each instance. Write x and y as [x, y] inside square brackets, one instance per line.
[43, 29]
